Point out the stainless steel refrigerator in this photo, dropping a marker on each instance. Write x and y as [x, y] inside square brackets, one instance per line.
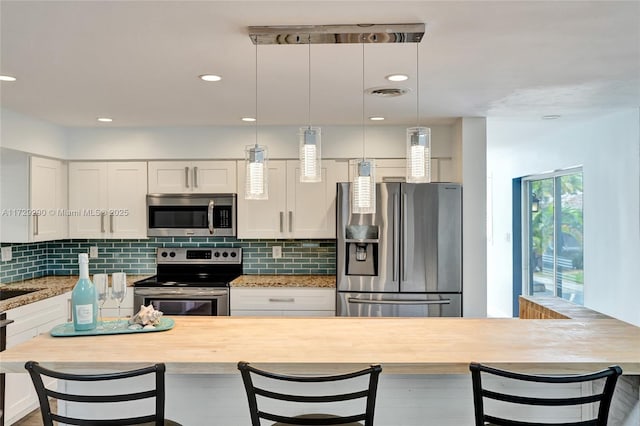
[406, 259]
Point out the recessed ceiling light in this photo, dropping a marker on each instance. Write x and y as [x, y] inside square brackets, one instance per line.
[376, 118]
[105, 119]
[397, 77]
[248, 119]
[210, 77]
[7, 78]
[551, 117]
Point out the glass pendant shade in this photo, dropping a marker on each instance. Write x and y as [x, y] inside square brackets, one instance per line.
[363, 188]
[257, 172]
[418, 155]
[310, 154]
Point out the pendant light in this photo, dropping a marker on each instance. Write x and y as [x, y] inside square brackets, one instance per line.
[310, 143]
[256, 160]
[418, 141]
[363, 187]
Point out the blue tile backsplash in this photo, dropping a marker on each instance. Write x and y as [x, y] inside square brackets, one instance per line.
[32, 260]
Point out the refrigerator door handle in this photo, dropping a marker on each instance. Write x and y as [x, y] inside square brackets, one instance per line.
[396, 237]
[403, 236]
[398, 302]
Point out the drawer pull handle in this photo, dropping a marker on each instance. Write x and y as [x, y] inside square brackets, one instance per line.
[282, 299]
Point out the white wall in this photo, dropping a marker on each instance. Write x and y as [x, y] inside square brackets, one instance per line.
[469, 151]
[24, 133]
[229, 142]
[608, 148]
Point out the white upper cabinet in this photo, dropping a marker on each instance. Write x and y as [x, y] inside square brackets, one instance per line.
[311, 207]
[33, 197]
[171, 177]
[294, 209]
[109, 199]
[395, 169]
[48, 198]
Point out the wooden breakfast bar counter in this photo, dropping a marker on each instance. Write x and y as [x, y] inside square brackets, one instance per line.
[214, 345]
[201, 354]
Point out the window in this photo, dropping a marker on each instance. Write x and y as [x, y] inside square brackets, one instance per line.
[553, 235]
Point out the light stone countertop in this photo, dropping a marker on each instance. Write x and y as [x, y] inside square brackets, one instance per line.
[51, 286]
[320, 281]
[46, 287]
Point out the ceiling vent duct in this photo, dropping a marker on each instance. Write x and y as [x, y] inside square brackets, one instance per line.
[386, 92]
[335, 34]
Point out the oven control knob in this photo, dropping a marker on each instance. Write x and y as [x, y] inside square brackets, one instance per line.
[225, 254]
[172, 254]
[164, 254]
[233, 254]
[216, 254]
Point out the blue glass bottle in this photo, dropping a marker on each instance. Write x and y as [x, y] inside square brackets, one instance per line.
[83, 298]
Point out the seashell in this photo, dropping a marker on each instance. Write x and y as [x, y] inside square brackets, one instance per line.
[148, 327]
[135, 327]
[147, 315]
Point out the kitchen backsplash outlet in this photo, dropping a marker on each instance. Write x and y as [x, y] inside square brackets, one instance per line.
[33, 260]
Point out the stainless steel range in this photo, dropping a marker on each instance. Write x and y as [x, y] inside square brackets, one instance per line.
[190, 281]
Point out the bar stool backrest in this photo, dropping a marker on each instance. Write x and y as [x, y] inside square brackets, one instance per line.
[44, 394]
[253, 391]
[603, 397]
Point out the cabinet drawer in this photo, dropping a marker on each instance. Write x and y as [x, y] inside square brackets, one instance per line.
[285, 299]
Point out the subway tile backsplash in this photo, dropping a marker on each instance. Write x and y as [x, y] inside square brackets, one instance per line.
[32, 260]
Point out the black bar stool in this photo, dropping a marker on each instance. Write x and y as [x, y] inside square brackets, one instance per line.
[480, 392]
[311, 419]
[44, 394]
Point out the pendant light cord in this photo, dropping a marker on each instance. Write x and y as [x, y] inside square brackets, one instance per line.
[309, 55]
[363, 127]
[256, 122]
[417, 85]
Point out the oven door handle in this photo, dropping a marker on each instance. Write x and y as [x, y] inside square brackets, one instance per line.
[398, 302]
[210, 216]
[178, 293]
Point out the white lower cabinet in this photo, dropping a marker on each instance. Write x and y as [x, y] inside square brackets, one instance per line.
[30, 321]
[283, 301]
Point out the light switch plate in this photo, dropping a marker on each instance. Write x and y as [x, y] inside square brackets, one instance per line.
[7, 254]
[276, 252]
[93, 252]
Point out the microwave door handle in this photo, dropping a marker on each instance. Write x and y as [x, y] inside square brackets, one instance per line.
[210, 217]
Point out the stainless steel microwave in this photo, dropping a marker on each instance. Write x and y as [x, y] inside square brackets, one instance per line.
[191, 215]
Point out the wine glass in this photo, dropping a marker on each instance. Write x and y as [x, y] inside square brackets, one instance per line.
[118, 288]
[101, 281]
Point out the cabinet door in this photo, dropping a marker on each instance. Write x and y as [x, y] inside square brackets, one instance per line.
[48, 195]
[127, 189]
[263, 218]
[170, 177]
[446, 172]
[214, 177]
[311, 207]
[87, 200]
[29, 321]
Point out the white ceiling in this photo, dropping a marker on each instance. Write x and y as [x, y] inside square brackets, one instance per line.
[138, 61]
